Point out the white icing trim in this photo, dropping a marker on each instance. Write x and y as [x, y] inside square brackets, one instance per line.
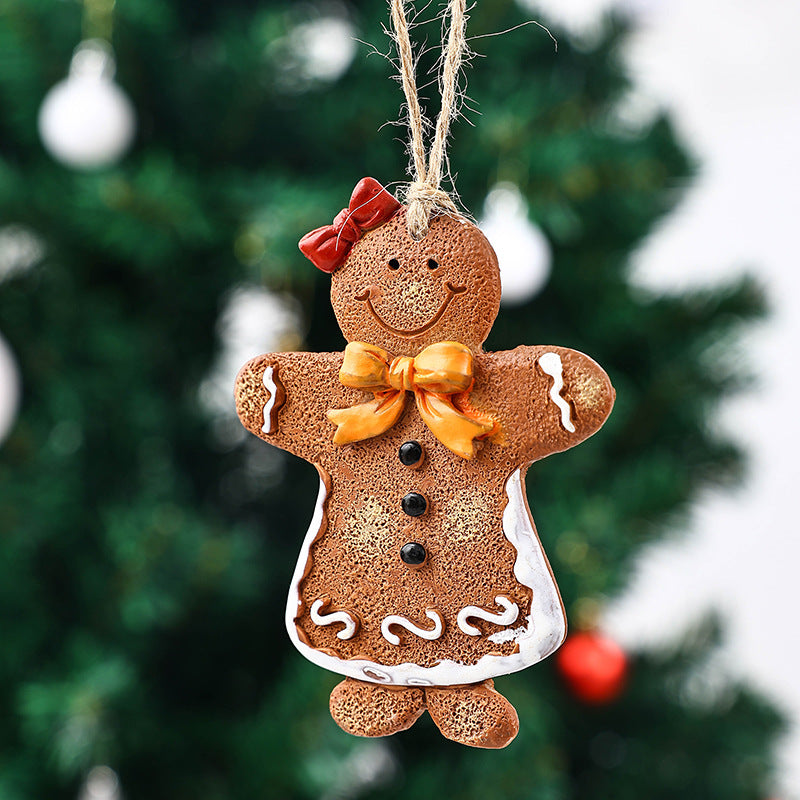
[350, 625]
[552, 366]
[396, 619]
[545, 628]
[510, 634]
[293, 602]
[269, 384]
[506, 617]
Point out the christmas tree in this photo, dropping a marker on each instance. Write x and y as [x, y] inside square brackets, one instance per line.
[147, 544]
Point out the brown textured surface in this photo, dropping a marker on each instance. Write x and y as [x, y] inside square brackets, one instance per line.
[354, 561]
[365, 709]
[477, 715]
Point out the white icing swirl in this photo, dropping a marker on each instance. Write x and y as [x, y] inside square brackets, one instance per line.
[552, 366]
[396, 619]
[350, 624]
[269, 384]
[506, 617]
[376, 675]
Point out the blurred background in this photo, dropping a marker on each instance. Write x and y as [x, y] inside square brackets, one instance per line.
[158, 163]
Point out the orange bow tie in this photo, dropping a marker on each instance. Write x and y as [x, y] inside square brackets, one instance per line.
[441, 379]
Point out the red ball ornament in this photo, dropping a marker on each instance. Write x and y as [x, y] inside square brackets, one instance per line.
[594, 667]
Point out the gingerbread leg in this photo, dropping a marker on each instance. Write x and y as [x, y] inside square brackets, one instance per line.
[475, 715]
[368, 709]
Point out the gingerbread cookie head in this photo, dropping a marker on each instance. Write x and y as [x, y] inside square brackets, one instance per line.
[403, 295]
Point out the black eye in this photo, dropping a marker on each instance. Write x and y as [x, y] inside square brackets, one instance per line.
[432, 264]
[394, 263]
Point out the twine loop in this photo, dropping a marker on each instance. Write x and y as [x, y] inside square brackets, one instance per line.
[424, 195]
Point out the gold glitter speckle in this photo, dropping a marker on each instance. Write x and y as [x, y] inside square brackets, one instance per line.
[469, 514]
[367, 531]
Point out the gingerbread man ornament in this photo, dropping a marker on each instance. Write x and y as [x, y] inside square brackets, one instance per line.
[421, 576]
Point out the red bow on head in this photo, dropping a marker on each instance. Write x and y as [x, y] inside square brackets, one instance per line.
[370, 206]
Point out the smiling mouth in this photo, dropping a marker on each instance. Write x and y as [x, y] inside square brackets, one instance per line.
[452, 291]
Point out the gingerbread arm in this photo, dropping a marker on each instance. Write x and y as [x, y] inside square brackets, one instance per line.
[561, 397]
[282, 398]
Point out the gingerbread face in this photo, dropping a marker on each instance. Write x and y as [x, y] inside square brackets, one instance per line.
[403, 295]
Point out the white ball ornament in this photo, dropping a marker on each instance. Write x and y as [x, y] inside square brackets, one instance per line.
[86, 121]
[9, 389]
[522, 250]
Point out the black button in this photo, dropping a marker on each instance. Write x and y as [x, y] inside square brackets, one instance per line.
[414, 504]
[410, 453]
[413, 553]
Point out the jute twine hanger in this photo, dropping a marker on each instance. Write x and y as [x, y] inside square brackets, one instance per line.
[424, 195]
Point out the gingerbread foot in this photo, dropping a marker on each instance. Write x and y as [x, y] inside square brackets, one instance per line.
[475, 715]
[367, 709]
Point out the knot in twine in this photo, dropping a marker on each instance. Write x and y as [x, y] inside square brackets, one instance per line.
[423, 200]
[423, 195]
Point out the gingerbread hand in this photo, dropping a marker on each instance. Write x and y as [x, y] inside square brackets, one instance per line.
[278, 398]
[568, 398]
